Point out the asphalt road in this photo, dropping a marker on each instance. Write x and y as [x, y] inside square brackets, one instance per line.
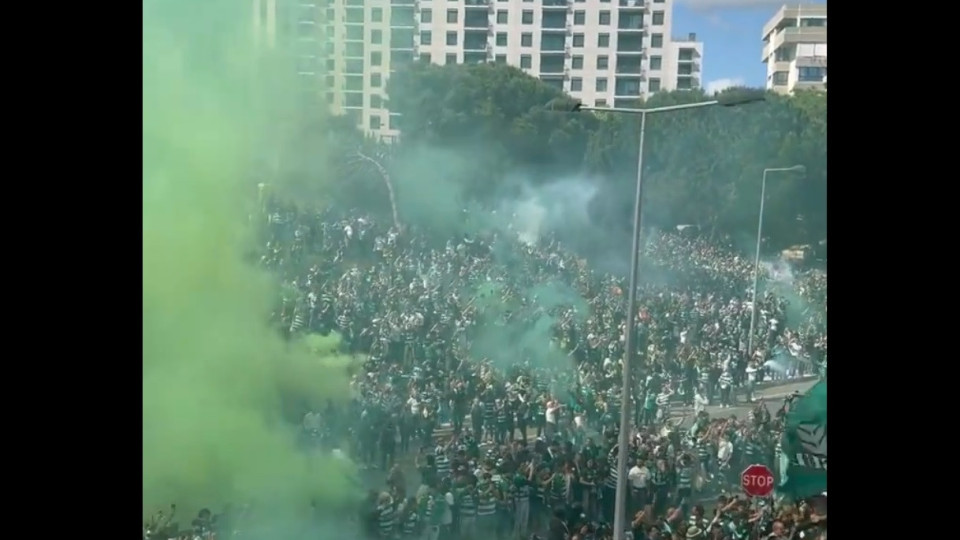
[772, 395]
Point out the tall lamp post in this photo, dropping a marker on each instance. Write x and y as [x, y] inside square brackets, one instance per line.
[756, 258]
[728, 100]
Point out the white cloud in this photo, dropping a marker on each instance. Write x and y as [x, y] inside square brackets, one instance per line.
[720, 85]
[707, 4]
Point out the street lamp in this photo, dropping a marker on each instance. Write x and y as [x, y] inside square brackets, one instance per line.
[730, 99]
[756, 258]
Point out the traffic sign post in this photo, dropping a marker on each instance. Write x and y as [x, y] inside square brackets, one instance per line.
[756, 481]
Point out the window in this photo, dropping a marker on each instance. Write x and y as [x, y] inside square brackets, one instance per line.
[376, 37]
[451, 58]
[354, 49]
[604, 17]
[354, 32]
[501, 59]
[600, 103]
[780, 78]
[426, 37]
[576, 84]
[451, 38]
[426, 16]
[376, 14]
[602, 84]
[686, 55]
[658, 1]
[527, 17]
[603, 40]
[603, 62]
[502, 16]
[526, 39]
[579, 17]
[654, 85]
[656, 62]
[353, 99]
[374, 122]
[376, 80]
[526, 61]
[656, 41]
[376, 101]
[658, 17]
[577, 62]
[452, 15]
[810, 74]
[578, 40]
[425, 57]
[501, 39]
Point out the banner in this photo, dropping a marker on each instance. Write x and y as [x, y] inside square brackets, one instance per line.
[803, 461]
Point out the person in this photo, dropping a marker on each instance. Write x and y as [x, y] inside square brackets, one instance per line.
[558, 529]
[699, 401]
[638, 476]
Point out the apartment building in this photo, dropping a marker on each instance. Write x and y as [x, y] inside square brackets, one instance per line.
[795, 48]
[602, 52]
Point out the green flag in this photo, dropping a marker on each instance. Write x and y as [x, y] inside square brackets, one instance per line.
[803, 466]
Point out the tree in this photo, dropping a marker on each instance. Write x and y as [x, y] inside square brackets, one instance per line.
[495, 114]
[704, 166]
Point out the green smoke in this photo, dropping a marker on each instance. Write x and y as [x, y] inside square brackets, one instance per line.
[213, 372]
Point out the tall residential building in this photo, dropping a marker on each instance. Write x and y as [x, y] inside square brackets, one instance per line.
[795, 48]
[602, 52]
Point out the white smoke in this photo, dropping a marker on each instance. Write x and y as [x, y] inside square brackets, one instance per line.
[778, 272]
[553, 207]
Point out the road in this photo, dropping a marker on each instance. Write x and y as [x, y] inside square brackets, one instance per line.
[773, 396]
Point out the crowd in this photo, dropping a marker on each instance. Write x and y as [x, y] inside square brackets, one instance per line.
[681, 486]
[507, 445]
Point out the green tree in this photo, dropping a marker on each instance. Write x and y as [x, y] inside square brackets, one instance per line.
[503, 119]
[704, 166]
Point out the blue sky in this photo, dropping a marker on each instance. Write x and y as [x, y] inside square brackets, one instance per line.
[730, 31]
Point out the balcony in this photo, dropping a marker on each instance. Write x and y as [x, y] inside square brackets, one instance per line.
[555, 69]
[628, 4]
[477, 3]
[626, 24]
[555, 4]
[793, 35]
[477, 20]
[628, 70]
[687, 82]
[691, 67]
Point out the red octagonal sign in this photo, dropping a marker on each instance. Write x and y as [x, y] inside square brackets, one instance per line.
[757, 481]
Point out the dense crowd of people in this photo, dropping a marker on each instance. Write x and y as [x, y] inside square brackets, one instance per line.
[500, 440]
[517, 441]
[680, 485]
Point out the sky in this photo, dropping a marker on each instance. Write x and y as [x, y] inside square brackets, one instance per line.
[731, 34]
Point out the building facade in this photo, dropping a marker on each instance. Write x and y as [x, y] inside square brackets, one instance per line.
[602, 52]
[795, 48]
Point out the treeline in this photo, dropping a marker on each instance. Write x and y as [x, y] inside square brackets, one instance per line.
[482, 127]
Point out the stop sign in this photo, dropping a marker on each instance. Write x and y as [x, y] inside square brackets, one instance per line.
[756, 480]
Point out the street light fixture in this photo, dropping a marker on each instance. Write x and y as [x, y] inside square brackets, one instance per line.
[729, 99]
[756, 259]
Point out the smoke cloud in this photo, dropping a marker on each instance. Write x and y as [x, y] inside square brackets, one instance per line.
[214, 373]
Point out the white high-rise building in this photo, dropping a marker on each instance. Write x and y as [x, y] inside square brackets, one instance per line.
[795, 48]
[602, 52]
